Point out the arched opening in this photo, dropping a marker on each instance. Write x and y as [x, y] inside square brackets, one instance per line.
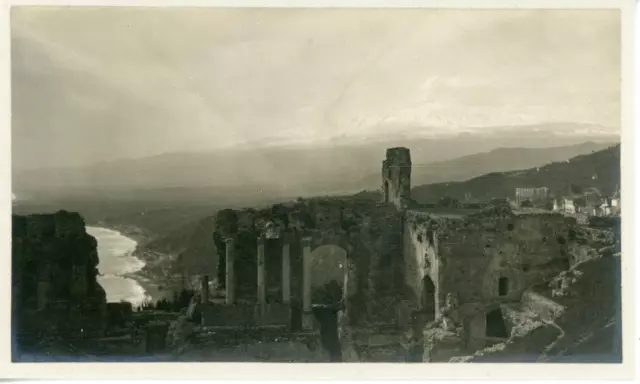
[428, 305]
[503, 286]
[328, 319]
[495, 325]
[328, 270]
[420, 318]
[386, 191]
[328, 278]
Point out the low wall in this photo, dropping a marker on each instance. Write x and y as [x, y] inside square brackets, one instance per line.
[238, 344]
[228, 315]
[247, 315]
[274, 314]
[374, 345]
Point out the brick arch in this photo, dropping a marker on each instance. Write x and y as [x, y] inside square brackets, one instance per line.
[329, 265]
[345, 242]
[341, 240]
[328, 274]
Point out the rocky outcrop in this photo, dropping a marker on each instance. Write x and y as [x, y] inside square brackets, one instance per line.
[54, 269]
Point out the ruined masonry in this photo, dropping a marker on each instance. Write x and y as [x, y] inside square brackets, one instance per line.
[381, 281]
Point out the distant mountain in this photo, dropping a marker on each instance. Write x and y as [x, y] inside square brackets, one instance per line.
[334, 167]
[497, 160]
[600, 170]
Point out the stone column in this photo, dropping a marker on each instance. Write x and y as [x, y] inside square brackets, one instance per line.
[307, 314]
[205, 289]
[286, 269]
[261, 275]
[230, 280]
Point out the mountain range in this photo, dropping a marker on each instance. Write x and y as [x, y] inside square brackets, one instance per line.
[497, 160]
[288, 171]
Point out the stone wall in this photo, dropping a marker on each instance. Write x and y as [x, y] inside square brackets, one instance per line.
[484, 259]
[245, 315]
[241, 344]
[526, 250]
[421, 261]
[396, 177]
[468, 255]
[54, 269]
[369, 232]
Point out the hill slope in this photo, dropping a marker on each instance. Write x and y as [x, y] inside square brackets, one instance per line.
[600, 170]
[497, 160]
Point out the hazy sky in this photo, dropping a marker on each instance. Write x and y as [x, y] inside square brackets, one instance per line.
[91, 84]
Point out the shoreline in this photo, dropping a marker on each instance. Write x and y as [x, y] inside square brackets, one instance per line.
[151, 290]
[148, 281]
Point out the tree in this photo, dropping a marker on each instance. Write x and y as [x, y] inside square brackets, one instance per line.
[576, 189]
[526, 204]
[449, 202]
[580, 201]
[548, 205]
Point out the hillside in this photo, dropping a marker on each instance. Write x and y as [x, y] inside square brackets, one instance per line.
[600, 170]
[187, 249]
[497, 160]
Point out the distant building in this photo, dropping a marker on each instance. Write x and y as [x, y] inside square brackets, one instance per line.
[616, 201]
[608, 207]
[531, 194]
[605, 209]
[592, 198]
[564, 205]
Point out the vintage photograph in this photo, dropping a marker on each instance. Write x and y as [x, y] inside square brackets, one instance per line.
[284, 185]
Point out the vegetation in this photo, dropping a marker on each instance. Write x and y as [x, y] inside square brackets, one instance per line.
[526, 204]
[600, 170]
[449, 202]
[178, 302]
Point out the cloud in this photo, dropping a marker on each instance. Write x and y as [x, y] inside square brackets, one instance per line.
[96, 83]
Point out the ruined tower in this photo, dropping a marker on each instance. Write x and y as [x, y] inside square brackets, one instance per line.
[396, 177]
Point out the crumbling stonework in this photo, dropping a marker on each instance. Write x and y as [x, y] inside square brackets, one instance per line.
[396, 177]
[407, 282]
[369, 234]
[486, 259]
[349, 252]
[54, 269]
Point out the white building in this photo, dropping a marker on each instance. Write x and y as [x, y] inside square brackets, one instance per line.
[531, 194]
[564, 205]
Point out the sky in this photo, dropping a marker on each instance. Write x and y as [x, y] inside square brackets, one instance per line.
[95, 84]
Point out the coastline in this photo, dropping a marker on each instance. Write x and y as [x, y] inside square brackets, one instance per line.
[152, 283]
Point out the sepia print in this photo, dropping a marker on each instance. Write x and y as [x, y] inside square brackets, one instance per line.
[315, 185]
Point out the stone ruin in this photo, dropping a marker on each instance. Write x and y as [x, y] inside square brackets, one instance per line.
[413, 285]
[396, 177]
[55, 293]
